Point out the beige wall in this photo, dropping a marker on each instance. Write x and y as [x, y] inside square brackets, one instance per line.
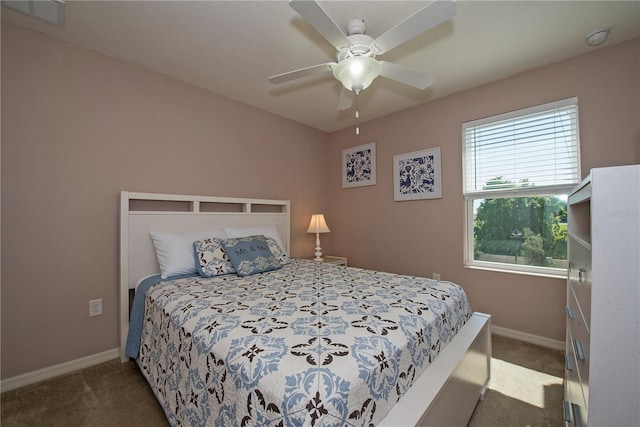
[423, 237]
[78, 127]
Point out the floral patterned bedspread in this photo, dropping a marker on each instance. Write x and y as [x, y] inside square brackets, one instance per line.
[310, 344]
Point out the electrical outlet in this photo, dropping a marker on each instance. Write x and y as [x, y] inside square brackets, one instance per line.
[95, 307]
[436, 276]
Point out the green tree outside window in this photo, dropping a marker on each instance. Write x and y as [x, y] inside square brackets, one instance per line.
[532, 230]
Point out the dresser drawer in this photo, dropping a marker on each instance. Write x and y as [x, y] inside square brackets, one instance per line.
[572, 384]
[579, 414]
[580, 349]
[574, 388]
[576, 317]
[580, 276]
[574, 406]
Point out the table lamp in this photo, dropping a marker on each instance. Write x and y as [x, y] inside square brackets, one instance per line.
[318, 225]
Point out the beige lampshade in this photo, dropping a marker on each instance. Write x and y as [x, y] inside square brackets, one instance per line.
[318, 224]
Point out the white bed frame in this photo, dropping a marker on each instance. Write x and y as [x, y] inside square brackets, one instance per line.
[444, 395]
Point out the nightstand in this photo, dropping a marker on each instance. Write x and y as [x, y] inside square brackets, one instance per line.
[335, 260]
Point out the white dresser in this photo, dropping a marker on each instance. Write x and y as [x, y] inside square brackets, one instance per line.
[602, 377]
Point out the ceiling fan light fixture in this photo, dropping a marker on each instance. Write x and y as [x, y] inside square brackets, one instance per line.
[357, 72]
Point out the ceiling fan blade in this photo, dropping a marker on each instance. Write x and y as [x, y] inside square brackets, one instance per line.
[405, 75]
[426, 18]
[315, 15]
[303, 72]
[345, 101]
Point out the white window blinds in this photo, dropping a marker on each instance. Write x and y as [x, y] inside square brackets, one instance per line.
[535, 150]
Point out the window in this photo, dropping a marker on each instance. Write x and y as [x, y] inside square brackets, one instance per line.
[518, 168]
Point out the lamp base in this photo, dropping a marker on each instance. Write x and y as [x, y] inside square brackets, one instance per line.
[318, 252]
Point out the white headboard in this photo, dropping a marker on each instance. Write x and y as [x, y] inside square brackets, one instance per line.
[143, 212]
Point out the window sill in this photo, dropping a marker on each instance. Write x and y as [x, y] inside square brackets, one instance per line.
[532, 271]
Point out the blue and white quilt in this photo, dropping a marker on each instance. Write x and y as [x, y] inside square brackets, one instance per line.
[310, 344]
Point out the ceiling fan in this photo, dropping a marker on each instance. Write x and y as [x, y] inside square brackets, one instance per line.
[357, 65]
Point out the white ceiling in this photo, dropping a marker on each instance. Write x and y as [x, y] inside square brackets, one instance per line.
[231, 47]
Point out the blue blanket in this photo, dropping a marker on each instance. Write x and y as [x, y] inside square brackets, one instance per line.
[136, 317]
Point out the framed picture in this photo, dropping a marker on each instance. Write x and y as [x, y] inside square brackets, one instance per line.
[359, 165]
[417, 175]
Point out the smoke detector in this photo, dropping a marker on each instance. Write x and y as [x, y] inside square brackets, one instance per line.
[597, 37]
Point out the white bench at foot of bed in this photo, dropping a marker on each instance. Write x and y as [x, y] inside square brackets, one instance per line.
[452, 385]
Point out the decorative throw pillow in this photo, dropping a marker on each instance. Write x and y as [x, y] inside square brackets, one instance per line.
[277, 251]
[174, 250]
[211, 259]
[250, 255]
[256, 230]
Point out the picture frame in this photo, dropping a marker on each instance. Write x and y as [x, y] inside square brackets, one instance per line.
[359, 166]
[417, 175]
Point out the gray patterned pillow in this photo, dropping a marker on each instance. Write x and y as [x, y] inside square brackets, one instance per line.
[277, 251]
[211, 259]
[250, 255]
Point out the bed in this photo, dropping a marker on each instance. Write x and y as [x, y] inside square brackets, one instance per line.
[304, 343]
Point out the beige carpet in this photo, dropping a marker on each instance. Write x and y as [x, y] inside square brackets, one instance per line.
[526, 387]
[525, 390]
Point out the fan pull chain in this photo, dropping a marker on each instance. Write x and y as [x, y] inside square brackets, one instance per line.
[357, 116]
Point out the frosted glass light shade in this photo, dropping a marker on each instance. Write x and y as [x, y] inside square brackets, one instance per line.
[318, 224]
[357, 71]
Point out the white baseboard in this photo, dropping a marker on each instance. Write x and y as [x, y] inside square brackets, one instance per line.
[57, 370]
[531, 339]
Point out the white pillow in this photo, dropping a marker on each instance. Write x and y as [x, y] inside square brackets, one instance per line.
[265, 230]
[175, 250]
